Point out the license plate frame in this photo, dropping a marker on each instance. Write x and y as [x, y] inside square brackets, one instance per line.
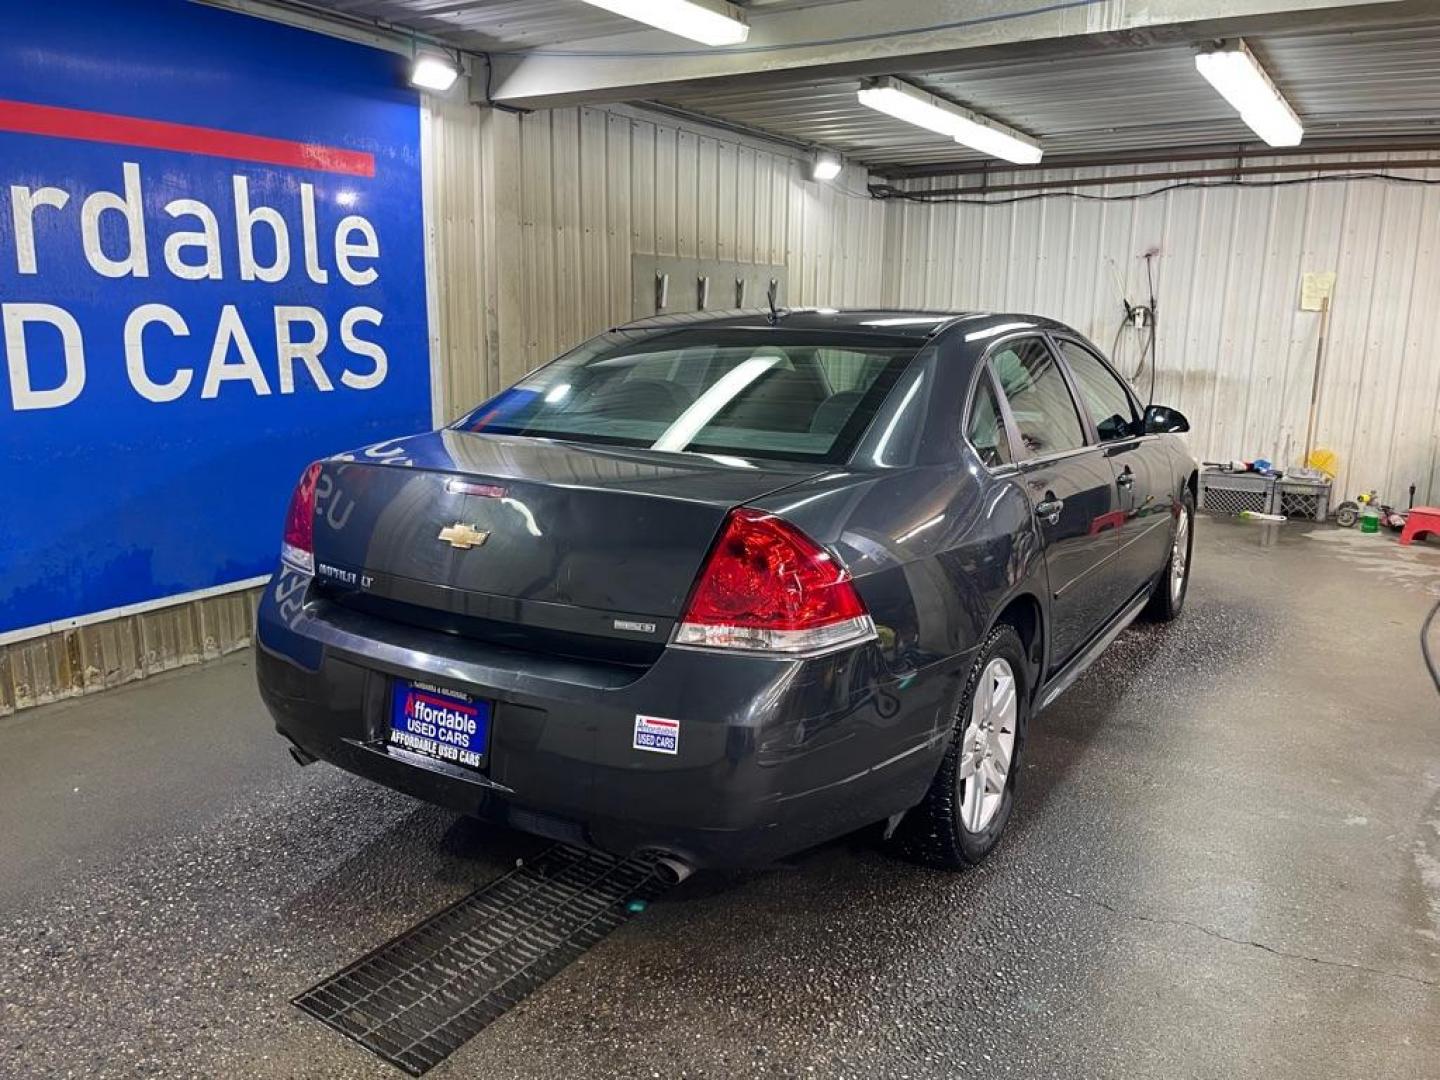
[440, 723]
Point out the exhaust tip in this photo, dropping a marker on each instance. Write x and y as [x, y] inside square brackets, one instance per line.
[672, 870]
[301, 757]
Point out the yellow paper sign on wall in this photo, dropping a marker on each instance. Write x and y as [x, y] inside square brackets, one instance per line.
[1316, 287]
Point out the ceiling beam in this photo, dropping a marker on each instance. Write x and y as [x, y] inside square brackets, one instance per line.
[856, 37]
[1239, 152]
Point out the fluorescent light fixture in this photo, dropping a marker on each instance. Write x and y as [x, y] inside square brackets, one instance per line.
[433, 72]
[915, 106]
[710, 22]
[826, 166]
[1233, 70]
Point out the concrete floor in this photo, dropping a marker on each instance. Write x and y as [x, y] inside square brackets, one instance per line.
[1225, 862]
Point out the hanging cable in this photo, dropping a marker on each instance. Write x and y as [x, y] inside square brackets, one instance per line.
[1154, 328]
[1425, 644]
[888, 191]
[1144, 355]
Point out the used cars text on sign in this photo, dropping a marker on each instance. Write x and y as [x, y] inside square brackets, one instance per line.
[211, 273]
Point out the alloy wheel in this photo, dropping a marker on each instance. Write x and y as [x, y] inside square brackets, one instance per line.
[1180, 556]
[988, 746]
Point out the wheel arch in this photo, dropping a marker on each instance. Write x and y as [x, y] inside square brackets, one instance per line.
[1026, 614]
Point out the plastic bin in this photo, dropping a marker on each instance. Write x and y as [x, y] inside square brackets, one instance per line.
[1224, 492]
[1306, 500]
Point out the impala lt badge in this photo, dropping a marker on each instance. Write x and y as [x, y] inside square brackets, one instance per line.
[463, 536]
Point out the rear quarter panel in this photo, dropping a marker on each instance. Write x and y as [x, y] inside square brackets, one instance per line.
[935, 552]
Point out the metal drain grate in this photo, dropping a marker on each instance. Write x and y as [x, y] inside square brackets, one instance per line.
[417, 999]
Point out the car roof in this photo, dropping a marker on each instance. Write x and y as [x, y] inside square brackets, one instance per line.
[915, 323]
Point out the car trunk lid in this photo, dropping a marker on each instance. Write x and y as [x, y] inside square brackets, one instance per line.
[575, 549]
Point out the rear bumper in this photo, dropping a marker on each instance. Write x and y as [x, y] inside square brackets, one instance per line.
[773, 755]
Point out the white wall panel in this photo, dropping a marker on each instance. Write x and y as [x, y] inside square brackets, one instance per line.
[629, 185]
[590, 189]
[454, 143]
[1236, 354]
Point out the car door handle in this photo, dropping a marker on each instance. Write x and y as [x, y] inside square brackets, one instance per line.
[1125, 479]
[1050, 510]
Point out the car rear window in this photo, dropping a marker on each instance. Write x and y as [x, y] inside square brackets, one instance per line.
[760, 393]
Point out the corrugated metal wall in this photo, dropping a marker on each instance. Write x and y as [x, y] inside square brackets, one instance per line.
[1236, 354]
[569, 196]
[457, 143]
[600, 186]
[108, 654]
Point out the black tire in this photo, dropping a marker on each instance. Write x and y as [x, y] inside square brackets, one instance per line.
[1165, 602]
[934, 832]
[1347, 515]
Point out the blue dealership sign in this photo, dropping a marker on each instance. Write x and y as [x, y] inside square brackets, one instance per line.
[212, 272]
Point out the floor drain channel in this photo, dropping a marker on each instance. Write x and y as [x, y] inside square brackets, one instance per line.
[416, 999]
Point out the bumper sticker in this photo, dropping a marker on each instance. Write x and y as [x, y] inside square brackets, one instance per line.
[656, 734]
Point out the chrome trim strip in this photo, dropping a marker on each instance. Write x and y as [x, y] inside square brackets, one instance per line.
[1077, 666]
[1030, 464]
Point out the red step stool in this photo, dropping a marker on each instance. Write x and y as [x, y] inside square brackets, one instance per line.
[1420, 520]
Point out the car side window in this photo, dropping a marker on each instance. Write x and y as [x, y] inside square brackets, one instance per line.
[1032, 382]
[1105, 396]
[986, 429]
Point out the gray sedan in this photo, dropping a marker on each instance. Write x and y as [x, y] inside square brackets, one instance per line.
[724, 587]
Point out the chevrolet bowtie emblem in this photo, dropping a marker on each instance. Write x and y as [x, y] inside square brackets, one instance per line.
[463, 536]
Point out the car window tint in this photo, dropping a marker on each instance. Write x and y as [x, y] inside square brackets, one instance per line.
[847, 369]
[1104, 395]
[738, 392]
[1040, 401]
[986, 430]
[661, 366]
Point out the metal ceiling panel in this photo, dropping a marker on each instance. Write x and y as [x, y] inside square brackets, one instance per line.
[1098, 95]
[488, 25]
[496, 25]
[1101, 100]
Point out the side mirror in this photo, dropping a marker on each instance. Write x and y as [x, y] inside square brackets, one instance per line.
[1163, 420]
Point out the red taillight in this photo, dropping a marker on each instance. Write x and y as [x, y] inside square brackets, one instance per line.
[768, 586]
[298, 548]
